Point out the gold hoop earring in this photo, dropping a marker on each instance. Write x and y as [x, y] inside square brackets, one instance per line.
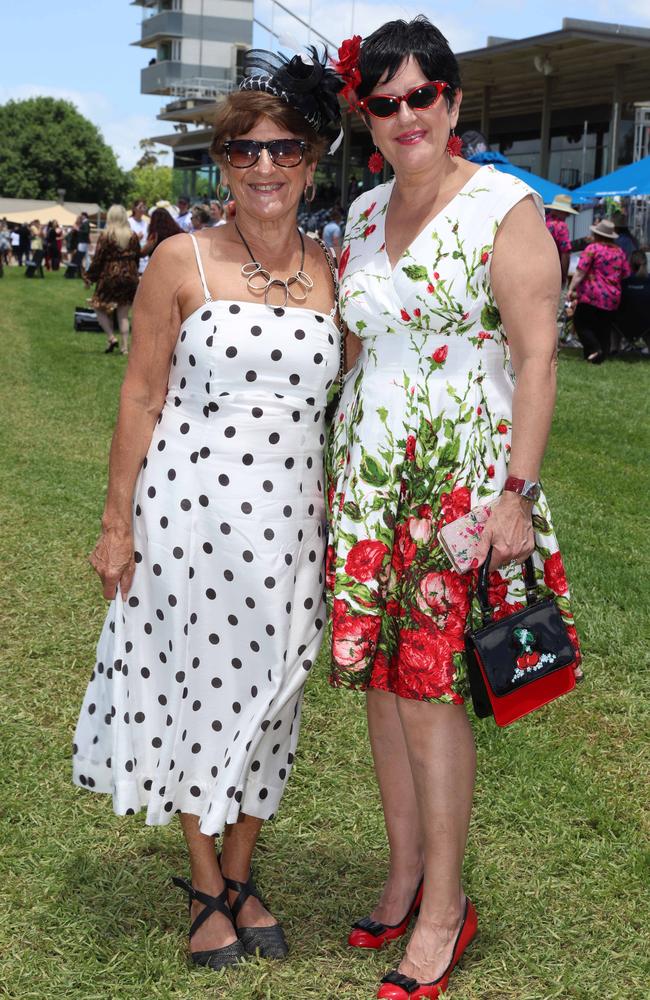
[310, 197]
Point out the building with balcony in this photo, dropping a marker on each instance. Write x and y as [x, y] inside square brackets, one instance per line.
[570, 105]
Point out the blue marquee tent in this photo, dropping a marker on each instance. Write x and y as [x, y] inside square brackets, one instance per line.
[628, 182]
[545, 188]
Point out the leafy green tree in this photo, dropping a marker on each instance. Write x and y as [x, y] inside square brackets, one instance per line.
[150, 183]
[47, 144]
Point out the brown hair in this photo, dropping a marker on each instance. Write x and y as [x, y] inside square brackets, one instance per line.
[243, 108]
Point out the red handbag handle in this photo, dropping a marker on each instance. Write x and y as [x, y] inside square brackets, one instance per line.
[530, 582]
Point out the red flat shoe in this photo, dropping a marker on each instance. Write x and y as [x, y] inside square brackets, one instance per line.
[397, 986]
[369, 933]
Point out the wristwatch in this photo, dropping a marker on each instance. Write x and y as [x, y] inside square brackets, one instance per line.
[526, 488]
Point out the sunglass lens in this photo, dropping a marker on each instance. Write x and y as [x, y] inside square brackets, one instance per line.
[242, 153]
[286, 152]
[382, 107]
[423, 97]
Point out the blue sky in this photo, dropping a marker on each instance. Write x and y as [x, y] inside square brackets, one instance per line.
[80, 49]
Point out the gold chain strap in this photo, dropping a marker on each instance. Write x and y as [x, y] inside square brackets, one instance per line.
[332, 267]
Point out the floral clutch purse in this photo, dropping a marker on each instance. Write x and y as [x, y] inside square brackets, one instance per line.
[521, 662]
[460, 539]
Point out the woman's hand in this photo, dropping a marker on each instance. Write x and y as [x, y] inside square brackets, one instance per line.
[509, 531]
[113, 560]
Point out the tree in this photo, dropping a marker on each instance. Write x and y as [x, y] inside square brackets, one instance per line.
[47, 144]
[149, 156]
[151, 184]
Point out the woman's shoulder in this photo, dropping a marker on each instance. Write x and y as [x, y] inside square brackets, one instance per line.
[376, 197]
[505, 189]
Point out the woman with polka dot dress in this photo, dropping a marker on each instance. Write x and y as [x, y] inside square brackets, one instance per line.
[212, 537]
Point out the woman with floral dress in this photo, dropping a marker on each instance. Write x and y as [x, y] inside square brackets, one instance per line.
[448, 277]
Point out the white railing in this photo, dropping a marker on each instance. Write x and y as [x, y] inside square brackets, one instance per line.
[201, 87]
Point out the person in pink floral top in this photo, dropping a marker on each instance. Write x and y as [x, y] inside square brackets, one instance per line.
[450, 281]
[596, 288]
[556, 217]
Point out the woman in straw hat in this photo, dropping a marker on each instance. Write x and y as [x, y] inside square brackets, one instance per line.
[596, 290]
[556, 217]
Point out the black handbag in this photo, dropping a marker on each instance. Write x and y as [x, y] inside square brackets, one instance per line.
[521, 662]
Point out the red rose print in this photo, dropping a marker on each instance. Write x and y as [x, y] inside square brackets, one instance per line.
[330, 568]
[440, 355]
[392, 608]
[426, 661]
[331, 492]
[424, 510]
[405, 316]
[484, 336]
[465, 316]
[410, 447]
[456, 503]
[368, 231]
[554, 575]
[436, 275]
[502, 428]
[380, 671]
[364, 559]
[497, 588]
[490, 471]
[404, 549]
[343, 263]
[485, 257]
[447, 597]
[430, 288]
[505, 609]
[417, 313]
[479, 410]
[353, 637]
[368, 211]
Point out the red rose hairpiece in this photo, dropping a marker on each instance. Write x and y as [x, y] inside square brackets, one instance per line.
[347, 66]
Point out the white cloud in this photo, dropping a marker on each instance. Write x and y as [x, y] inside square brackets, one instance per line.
[122, 133]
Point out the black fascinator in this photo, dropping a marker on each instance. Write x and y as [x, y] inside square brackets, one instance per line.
[305, 83]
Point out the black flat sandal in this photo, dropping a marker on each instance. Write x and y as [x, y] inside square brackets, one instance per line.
[218, 958]
[267, 942]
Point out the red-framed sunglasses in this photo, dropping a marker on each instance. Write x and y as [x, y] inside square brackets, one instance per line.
[424, 96]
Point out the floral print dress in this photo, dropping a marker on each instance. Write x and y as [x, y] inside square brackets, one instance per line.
[422, 434]
[605, 266]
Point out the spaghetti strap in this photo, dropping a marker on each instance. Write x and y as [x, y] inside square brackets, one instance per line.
[199, 263]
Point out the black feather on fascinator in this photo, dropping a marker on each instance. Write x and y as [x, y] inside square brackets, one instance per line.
[305, 83]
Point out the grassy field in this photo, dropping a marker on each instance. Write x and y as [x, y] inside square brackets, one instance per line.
[558, 856]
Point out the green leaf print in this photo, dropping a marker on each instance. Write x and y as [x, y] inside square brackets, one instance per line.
[541, 524]
[382, 413]
[372, 471]
[352, 510]
[490, 317]
[416, 272]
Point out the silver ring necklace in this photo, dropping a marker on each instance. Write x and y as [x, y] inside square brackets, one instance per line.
[258, 279]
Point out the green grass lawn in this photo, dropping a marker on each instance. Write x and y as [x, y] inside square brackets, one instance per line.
[557, 862]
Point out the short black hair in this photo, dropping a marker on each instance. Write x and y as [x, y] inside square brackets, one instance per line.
[383, 52]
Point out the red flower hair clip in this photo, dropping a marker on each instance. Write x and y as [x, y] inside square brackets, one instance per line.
[347, 66]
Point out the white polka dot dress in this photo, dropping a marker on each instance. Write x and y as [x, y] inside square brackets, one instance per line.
[194, 703]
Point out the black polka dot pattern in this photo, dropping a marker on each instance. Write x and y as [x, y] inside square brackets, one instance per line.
[226, 600]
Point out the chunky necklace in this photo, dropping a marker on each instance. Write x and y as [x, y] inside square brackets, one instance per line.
[258, 279]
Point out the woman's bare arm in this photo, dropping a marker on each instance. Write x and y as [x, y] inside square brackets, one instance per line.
[156, 322]
[525, 280]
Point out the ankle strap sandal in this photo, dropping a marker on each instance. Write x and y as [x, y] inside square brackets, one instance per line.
[267, 942]
[217, 958]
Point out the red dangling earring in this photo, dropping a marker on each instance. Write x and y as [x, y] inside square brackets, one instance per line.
[376, 162]
[454, 144]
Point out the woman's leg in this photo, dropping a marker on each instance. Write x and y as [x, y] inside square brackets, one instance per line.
[106, 323]
[398, 798]
[442, 755]
[123, 323]
[217, 931]
[585, 324]
[239, 842]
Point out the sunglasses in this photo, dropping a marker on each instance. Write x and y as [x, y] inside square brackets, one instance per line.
[418, 99]
[242, 153]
